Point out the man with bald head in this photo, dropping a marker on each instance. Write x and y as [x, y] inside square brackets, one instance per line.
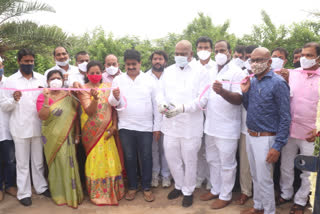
[182, 124]
[267, 100]
[111, 65]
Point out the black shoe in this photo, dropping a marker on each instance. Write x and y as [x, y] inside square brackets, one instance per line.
[187, 200]
[26, 201]
[46, 193]
[175, 193]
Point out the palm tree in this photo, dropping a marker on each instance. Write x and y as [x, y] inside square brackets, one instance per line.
[15, 34]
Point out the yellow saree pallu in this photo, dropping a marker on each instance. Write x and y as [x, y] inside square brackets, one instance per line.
[58, 137]
[103, 167]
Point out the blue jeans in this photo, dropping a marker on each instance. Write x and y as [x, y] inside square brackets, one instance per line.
[133, 143]
[7, 164]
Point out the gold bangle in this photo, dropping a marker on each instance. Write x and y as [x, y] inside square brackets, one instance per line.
[46, 106]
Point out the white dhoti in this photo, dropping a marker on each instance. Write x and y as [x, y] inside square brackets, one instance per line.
[27, 149]
[288, 154]
[245, 174]
[221, 157]
[182, 156]
[263, 188]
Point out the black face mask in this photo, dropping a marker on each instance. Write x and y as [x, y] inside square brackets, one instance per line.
[160, 69]
[296, 64]
[27, 68]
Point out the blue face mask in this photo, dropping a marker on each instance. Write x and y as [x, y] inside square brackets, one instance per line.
[27, 68]
[1, 71]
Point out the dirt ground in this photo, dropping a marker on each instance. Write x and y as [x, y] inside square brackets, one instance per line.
[43, 205]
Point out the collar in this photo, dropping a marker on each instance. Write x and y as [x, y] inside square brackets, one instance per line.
[19, 75]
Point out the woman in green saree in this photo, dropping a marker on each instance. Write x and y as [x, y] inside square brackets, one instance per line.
[58, 111]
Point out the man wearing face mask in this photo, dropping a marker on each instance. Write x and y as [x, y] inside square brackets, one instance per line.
[112, 68]
[159, 61]
[239, 56]
[304, 100]
[248, 52]
[25, 126]
[222, 126]
[296, 58]
[62, 59]
[7, 157]
[82, 59]
[267, 100]
[182, 126]
[204, 50]
[279, 58]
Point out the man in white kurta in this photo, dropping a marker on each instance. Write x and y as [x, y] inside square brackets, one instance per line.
[182, 126]
[7, 157]
[222, 126]
[25, 126]
[62, 59]
[204, 50]
[160, 166]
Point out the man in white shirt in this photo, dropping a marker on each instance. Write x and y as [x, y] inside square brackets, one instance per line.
[159, 60]
[204, 50]
[112, 69]
[139, 121]
[182, 126]
[25, 126]
[222, 126]
[62, 59]
[82, 59]
[7, 159]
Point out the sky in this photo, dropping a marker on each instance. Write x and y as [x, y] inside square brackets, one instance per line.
[151, 19]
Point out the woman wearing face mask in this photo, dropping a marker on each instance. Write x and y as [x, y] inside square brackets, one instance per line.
[58, 111]
[98, 125]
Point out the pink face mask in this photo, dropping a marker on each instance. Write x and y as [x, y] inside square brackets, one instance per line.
[95, 78]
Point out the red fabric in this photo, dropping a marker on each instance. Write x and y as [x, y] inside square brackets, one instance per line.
[40, 102]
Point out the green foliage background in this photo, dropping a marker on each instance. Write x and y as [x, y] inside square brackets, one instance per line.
[100, 43]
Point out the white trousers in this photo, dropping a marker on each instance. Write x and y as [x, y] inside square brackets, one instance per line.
[159, 161]
[245, 174]
[203, 167]
[221, 157]
[29, 149]
[288, 154]
[182, 155]
[263, 188]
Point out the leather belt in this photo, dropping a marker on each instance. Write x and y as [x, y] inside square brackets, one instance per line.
[258, 134]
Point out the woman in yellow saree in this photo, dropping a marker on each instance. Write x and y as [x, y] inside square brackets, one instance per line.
[58, 111]
[103, 168]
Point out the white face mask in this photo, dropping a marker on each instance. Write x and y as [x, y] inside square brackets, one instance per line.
[307, 63]
[83, 66]
[56, 83]
[181, 61]
[247, 65]
[112, 70]
[221, 59]
[277, 63]
[204, 55]
[238, 62]
[63, 63]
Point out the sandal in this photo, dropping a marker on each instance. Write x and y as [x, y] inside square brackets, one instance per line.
[131, 194]
[242, 200]
[297, 209]
[280, 201]
[148, 196]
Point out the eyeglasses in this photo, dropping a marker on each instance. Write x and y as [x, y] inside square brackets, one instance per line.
[258, 60]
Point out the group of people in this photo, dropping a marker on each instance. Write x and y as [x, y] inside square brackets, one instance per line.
[186, 121]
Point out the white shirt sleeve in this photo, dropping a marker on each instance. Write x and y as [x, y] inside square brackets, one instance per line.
[7, 102]
[157, 117]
